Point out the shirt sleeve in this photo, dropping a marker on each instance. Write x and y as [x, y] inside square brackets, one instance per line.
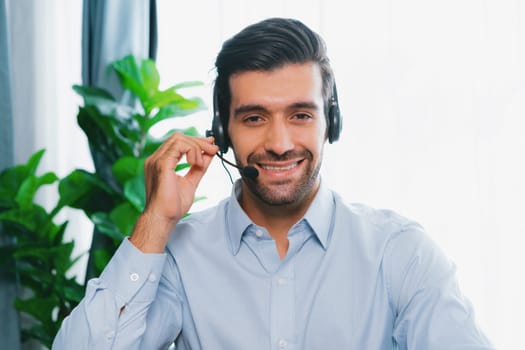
[430, 311]
[131, 281]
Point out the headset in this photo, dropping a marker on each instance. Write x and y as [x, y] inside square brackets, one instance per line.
[222, 140]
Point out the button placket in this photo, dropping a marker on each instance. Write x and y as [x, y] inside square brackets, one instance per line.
[283, 308]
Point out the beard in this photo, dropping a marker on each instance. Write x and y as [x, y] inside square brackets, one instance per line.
[285, 191]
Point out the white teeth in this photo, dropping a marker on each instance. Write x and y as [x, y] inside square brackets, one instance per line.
[277, 168]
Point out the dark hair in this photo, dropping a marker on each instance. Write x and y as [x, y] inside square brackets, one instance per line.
[268, 45]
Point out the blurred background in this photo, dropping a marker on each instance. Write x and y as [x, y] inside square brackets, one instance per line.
[433, 101]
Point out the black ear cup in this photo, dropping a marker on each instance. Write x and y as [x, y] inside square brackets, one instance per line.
[217, 129]
[334, 119]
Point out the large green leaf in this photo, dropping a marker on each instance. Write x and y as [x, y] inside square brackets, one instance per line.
[40, 308]
[128, 71]
[30, 186]
[34, 161]
[150, 77]
[180, 108]
[161, 99]
[135, 193]
[62, 261]
[124, 217]
[35, 279]
[73, 291]
[91, 94]
[101, 258]
[127, 168]
[55, 254]
[84, 190]
[34, 221]
[10, 181]
[140, 78]
[99, 141]
[107, 227]
[56, 233]
[12, 178]
[112, 132]
[42, 332]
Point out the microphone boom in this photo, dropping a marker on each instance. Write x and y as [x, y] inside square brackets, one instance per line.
[247, 171]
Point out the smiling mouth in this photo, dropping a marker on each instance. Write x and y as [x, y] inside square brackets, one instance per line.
[279, 168]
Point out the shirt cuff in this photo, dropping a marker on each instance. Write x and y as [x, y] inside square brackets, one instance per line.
[132, 274]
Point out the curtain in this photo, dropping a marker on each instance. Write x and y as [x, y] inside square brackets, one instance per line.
[9, 323]
[112, 30]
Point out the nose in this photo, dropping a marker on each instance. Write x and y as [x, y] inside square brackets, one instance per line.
[278, 138]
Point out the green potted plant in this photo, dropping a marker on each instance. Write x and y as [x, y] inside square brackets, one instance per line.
[38, 254]
[120, 140]
[112, 197]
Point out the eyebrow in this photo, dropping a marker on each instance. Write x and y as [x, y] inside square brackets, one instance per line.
[259, 108]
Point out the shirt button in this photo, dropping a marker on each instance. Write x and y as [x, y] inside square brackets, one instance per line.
[152, 277]
[282, 344]
[134, 277]
[110, 335]
[281, 281]
[259, 233]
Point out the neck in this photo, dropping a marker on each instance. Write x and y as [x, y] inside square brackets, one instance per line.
[277, 219]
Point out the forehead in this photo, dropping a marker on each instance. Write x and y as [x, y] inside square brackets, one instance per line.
[287, 84]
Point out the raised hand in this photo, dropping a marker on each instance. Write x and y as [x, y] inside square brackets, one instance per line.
[169, 195]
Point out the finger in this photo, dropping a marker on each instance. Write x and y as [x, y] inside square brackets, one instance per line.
[170, 153]
[196, 173]
[181, 146]
[208, 146]
[171, 143]
[204, 146]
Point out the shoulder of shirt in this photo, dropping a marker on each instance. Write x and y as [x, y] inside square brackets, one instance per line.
[199, 226]
[381, 225]
[399, 242]
[205, 216]
[391, 239]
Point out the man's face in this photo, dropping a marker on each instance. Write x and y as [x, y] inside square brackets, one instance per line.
[277, 125]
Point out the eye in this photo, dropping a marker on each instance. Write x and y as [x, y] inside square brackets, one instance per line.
[253, 119]
[302, 116]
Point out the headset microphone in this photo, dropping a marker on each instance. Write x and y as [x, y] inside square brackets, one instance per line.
[247, 171]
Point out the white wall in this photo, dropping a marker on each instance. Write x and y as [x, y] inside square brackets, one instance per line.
[433, 98]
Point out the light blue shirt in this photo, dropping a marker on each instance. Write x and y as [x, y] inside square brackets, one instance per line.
[353, 278]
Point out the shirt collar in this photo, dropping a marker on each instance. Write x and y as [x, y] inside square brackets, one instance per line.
[319, 216]
[236, 219]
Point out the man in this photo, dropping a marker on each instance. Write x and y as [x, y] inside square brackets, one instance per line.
[283, 263]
